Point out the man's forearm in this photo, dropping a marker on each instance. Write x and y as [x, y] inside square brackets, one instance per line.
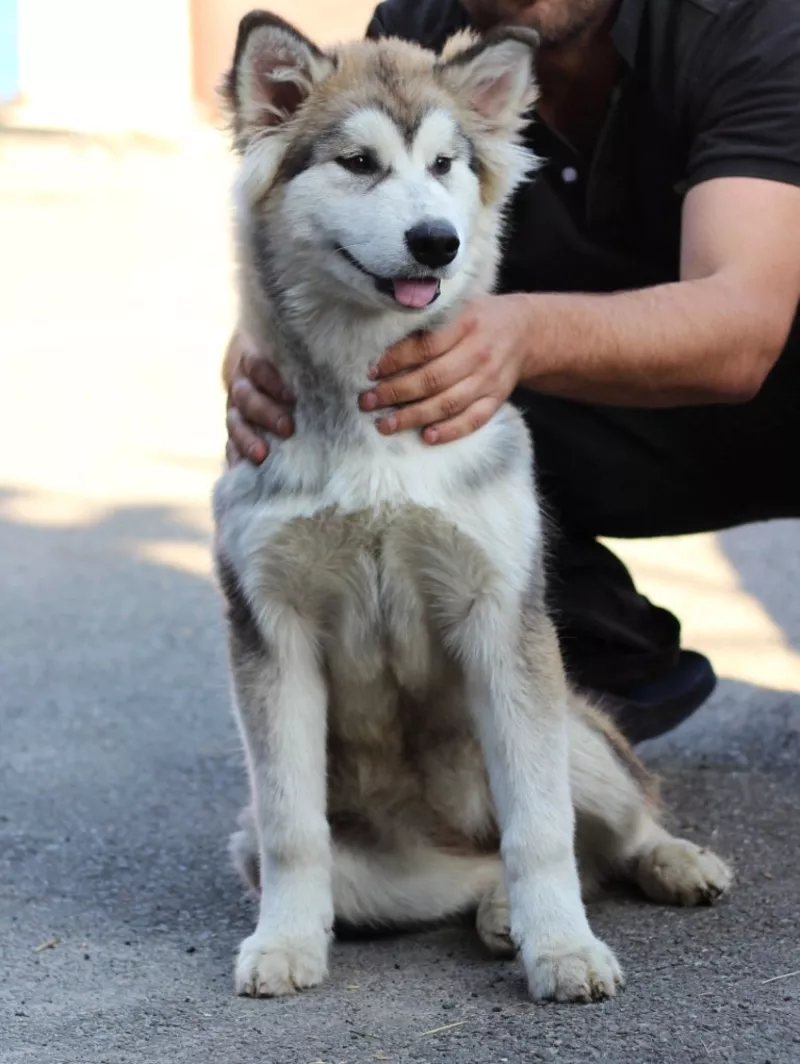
[678, 344]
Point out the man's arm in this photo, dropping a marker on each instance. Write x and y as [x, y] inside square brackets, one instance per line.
[713, 336]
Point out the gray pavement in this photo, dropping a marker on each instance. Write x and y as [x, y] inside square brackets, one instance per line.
[120, 772]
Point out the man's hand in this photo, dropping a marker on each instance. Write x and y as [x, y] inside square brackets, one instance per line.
[257, 399]
[455, 379]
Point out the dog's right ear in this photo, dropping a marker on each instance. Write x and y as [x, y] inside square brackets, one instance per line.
[274, 69]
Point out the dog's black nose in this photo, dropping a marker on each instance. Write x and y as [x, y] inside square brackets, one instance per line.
[433, 244]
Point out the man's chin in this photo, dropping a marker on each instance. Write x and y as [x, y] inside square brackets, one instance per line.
[551, 38]
[555, 25]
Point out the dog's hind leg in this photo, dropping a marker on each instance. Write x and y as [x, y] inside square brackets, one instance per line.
[618, 829]
[421, 885]
[407, 886]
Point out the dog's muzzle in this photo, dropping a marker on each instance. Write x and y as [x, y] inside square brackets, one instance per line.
[413, 293]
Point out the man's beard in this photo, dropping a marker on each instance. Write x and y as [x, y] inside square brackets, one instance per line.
[558, 22]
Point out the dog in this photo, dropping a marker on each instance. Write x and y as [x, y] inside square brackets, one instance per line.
[414, 750]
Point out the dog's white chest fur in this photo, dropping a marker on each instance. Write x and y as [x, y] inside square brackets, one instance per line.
[471, 496]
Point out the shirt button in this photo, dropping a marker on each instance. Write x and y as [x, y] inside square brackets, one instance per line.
[569, 175]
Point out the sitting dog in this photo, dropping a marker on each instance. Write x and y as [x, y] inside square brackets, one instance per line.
[413, 748]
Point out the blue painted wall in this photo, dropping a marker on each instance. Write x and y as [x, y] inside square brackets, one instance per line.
[9, 51]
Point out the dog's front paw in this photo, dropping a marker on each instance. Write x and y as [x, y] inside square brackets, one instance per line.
[677, 872]
[580, 971]
[275, 965]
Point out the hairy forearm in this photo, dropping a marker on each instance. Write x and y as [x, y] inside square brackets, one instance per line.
[677, 344]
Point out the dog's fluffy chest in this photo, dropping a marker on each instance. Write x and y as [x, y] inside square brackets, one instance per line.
[367, 546]
[309, 474]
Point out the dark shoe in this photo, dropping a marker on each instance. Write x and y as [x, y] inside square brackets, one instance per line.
[653, 708]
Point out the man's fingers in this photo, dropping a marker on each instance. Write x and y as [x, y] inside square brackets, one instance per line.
[243, 440]
[439, 408]
[423, 347]
[423, 383]
[254, 402]
[259, 409]
[464, 424]
[266, 378]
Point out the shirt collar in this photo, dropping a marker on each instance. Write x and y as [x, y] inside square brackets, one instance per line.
[626, 29]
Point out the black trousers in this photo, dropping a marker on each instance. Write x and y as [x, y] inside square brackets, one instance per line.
[632, 473]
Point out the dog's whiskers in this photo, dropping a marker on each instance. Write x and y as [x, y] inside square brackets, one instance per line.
[358, 244]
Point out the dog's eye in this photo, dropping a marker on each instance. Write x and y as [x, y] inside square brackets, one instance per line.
[361, 163]
[441, 165]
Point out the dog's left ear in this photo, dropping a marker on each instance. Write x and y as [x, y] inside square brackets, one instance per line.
[493, 74]
[274, 69]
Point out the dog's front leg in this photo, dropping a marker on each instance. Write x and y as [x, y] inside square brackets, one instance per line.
[516, 691]
[281, 700]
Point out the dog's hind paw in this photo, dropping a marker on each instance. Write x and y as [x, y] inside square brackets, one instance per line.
[273, 966]
[677, 872]
[493, 924]
[580, 972]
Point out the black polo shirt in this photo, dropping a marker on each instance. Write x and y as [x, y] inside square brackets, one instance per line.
[710, 88]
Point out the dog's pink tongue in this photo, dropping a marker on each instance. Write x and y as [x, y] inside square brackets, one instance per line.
[415, 294]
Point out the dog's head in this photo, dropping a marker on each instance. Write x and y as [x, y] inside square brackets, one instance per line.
[377, 172]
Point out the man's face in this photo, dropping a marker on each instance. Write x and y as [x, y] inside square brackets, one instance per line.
[556, 21]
